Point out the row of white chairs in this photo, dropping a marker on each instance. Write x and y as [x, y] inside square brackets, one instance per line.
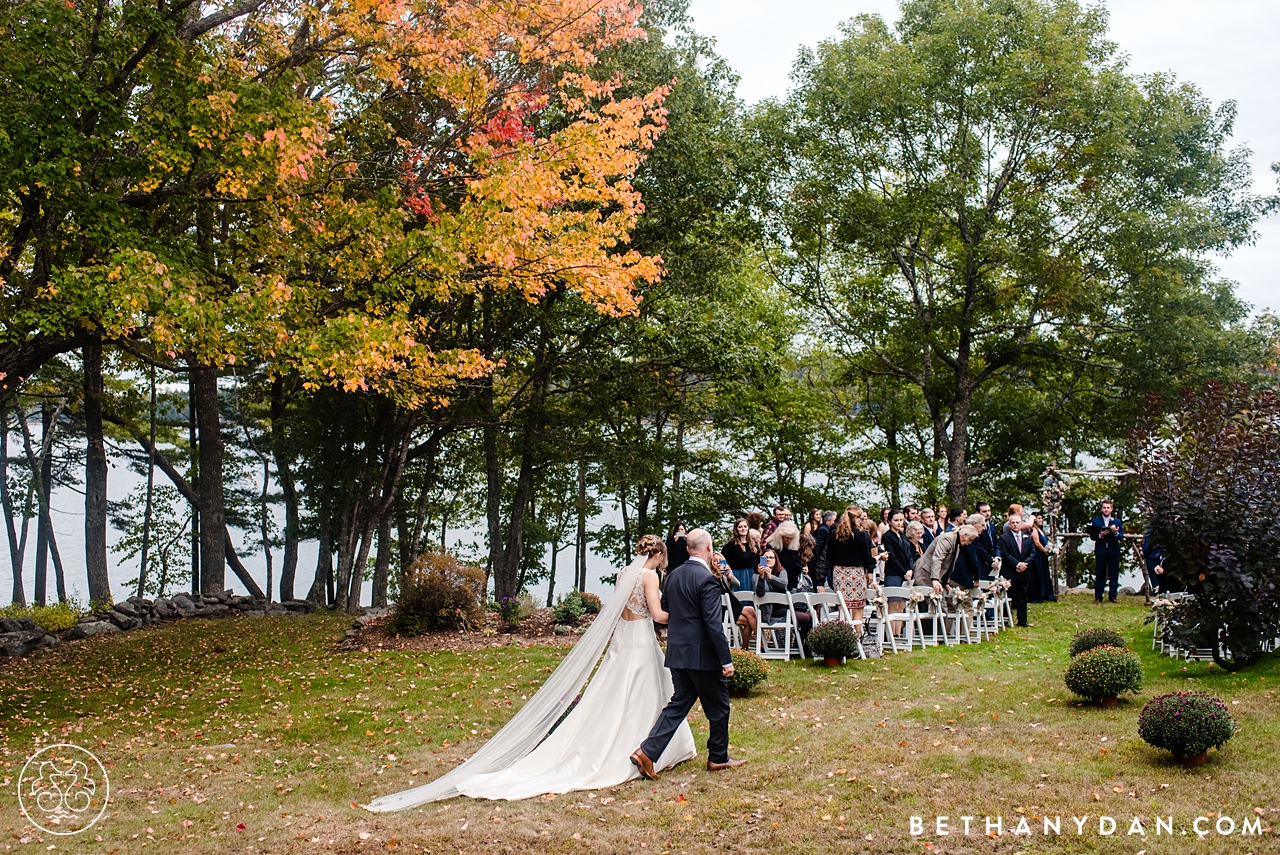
[925, 622]
[1162, 641]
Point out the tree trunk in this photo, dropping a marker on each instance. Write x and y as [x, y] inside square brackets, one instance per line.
[193, 444]
[324, 555]
[895, 477]
[213, 513]
[957, 449]
[551, 581]
[493, 491]
[146, 513]
[42, 482]
[580, 548]
[95, 477]
[42, 472]
[382, 563]
[346, 557]
[15, 554]
[288, 489]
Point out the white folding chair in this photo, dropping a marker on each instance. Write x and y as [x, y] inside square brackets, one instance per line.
[909, 618]
[773, 639]
[829, 606]
[951, 611]
[732, 632]
[931, 615]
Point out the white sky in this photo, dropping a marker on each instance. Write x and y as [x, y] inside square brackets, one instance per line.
[1225, 47]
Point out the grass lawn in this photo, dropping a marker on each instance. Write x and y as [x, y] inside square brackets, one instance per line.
[257, 735]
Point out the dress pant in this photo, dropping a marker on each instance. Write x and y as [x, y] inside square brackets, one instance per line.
[1107, 571]
[1018, 594]
[691, 685]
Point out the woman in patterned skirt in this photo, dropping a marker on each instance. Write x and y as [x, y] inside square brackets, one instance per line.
[849, 557]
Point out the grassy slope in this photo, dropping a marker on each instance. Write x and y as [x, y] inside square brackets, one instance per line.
[209, 725]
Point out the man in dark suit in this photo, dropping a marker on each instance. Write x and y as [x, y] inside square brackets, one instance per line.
[1016, 551]
[819, 567]
[955, 519]
[1153, 557]
[698, 656]
[989, 536]
[1107, 532]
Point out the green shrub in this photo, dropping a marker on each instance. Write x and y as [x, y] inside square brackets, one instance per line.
[54, 618]
[1104, 672]
[1186, 723]
[748, 670]
[569, 609]
[1087, 639]
[590, 602]
[834, 639]
[438, 593]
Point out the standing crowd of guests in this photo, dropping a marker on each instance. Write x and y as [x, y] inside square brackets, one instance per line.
[854, 553]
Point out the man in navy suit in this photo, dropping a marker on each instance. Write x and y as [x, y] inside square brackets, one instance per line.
[698, 656]
[1107, 532]
[988, 538]
[1016, 552]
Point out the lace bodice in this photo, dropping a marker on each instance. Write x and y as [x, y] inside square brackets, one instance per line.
[637, 603]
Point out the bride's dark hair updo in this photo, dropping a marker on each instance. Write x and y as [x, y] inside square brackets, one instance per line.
[651, 545]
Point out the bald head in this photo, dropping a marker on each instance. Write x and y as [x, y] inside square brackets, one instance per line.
[698, 542]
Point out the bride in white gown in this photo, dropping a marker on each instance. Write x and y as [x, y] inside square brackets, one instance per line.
[591, 747]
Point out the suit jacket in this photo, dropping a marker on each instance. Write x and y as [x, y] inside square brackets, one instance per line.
[1011, 556]
[819, 569]
[1109, 545]
[939, 562]
[695, 636]
[988, 539]
[928, 538]
[899, 548]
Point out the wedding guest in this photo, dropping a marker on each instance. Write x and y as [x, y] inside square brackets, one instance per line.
[785, 542]
[955, 518]
[1048, 590]
[780, 515]
[812, 523]
[916, 534]
[1107, 532]
[1162, 582]
[819, 569]
[849, 556]
[941, 565]
[771, 577]
[883, 524]
[898, 560]
[1015, 508]
[929, 525]
[743, 615]
[742, 556]
[677, 549]
[755, 520]
[1016, 554]
[911, 512]
[974, 558]
[943, 516]
[987, 533]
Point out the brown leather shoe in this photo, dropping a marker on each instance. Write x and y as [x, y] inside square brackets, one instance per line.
[642, 762]
[728, 764]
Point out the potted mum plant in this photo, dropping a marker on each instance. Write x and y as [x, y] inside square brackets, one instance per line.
[834, 641]
[1103, 673]
[1088, 639]
[1187, 724]
[748, 671]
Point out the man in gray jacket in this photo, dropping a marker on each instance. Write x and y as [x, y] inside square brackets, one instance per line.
[939, 561]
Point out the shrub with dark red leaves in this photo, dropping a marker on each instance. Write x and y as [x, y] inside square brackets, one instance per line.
[1186, 723]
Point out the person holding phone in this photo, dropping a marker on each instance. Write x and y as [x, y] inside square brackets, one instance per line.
[743, 615]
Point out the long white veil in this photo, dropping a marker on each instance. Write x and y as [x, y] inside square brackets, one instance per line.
[528, 727]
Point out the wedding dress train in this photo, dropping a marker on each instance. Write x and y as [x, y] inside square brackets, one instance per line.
[591, 748]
